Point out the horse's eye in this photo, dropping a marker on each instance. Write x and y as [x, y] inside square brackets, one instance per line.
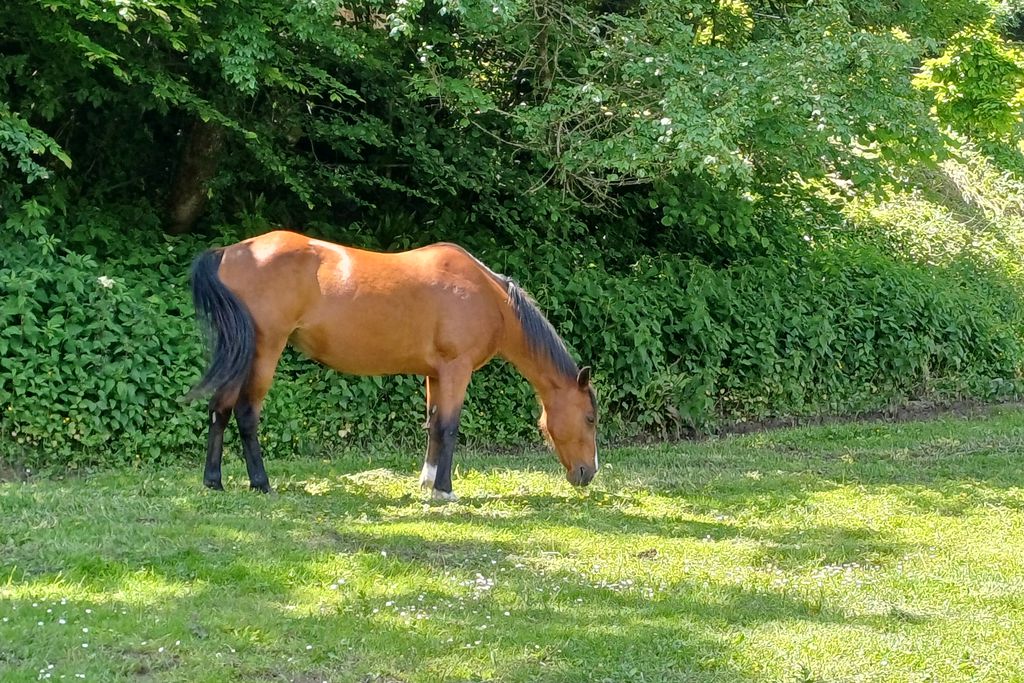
[590, 419]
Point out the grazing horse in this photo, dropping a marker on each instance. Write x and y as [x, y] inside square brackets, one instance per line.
[436, 311]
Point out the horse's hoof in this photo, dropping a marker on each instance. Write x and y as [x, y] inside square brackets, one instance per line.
[446, 496]
[262, 488]
[213, 484]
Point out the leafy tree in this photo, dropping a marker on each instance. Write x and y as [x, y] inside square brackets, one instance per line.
[671, 178]
[978, 83]
[674, 112]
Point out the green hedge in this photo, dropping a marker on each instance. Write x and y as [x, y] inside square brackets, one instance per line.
[95, 351]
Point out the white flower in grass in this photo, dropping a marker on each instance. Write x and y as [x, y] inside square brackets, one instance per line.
[105, 282]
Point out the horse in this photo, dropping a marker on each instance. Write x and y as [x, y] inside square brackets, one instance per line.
[436, 311]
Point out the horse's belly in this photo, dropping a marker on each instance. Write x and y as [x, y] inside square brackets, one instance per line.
[356, 354]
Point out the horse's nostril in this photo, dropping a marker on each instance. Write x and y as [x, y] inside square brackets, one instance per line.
[581, 476]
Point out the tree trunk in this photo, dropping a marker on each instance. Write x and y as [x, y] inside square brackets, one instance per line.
[196, 168]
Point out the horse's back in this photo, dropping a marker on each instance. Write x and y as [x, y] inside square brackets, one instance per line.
[405, 312]
[366, 312]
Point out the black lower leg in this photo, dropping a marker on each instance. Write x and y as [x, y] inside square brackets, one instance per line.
[215, 448]
[445, 433]
[248, 420]
[429, 472]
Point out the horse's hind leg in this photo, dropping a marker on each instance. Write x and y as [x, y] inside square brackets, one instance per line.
[445, 395]
[248, 416]
[215, 447]
[247, 413]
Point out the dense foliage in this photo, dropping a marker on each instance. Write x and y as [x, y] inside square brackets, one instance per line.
[732, 209]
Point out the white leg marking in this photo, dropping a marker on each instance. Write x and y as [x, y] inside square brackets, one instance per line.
[427, 475]
[443, 495]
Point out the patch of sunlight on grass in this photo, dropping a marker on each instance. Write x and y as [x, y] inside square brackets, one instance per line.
[141, 587]
[846, 553]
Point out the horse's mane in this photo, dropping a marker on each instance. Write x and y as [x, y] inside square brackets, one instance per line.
[541, 336]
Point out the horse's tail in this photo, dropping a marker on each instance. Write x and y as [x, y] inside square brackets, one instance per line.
[229, 330]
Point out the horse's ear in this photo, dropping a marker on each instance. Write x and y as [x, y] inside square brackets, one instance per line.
[583, 379]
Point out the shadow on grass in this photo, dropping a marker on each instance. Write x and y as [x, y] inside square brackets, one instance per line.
[202, 613]
[203, 588]
[235, 586]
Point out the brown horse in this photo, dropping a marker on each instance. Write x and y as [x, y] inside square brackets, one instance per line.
[435, 311]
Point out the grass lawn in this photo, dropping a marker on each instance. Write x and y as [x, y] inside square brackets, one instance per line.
[850, 553]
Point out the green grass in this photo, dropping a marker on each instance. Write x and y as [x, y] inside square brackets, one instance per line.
[850, 553]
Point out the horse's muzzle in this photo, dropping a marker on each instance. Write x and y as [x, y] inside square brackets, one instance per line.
[580, 476]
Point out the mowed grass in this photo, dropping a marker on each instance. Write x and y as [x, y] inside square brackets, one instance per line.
[865, 552]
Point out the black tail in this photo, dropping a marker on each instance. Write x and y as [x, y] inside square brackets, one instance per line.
[228, 328]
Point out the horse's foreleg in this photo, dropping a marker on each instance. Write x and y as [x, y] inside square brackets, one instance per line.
[429, 472]
[445, 395]
[444, 435]
[215, 448]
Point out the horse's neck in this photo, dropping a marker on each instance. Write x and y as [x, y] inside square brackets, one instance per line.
[538, 369]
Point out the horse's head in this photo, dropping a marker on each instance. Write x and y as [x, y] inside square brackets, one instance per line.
[568, 420]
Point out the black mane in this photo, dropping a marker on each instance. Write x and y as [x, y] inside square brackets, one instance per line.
[541, 337]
